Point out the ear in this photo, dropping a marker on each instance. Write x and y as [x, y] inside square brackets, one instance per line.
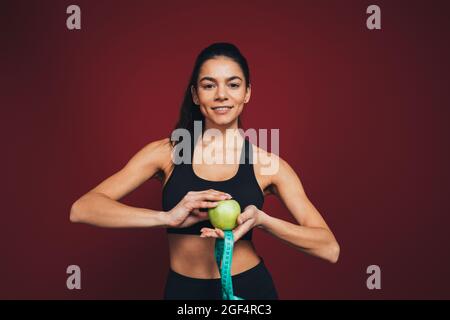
[194, 95]
[248, 93]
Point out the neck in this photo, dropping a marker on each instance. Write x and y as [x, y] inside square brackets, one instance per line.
[231, 127]
[228, 133]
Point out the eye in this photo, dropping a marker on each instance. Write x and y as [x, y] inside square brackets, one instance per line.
[234, 85]
[208, 86]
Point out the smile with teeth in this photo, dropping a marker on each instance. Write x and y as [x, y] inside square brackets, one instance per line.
[221, 108]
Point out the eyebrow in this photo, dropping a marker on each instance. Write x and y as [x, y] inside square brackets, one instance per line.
[214, 80]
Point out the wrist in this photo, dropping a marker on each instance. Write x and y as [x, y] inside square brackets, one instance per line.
[263, 219]
[164, 219]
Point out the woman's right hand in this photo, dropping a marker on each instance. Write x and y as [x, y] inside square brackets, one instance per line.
[187, 211]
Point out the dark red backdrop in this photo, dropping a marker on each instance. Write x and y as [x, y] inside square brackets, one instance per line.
[363, 118]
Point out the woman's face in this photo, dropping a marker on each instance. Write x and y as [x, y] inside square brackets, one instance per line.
[221, 91]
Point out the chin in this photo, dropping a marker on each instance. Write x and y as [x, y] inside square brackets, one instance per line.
[222, 122]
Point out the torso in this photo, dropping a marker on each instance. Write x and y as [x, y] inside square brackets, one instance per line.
[193, 256]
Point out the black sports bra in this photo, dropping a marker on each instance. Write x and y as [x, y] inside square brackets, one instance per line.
[243, 187]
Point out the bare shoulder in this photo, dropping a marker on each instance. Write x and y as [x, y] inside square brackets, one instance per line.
[144, 164]
[162, 147]
[151, 158]
[267, 163]
[158, 153]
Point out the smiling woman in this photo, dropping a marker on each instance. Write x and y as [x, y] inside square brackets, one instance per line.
[216, 95]
[209, 84]
[218, 89]
[221, 97]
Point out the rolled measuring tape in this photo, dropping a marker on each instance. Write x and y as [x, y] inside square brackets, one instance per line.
[223, 252]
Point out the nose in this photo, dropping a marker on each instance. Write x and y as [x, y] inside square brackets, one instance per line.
[220, 93]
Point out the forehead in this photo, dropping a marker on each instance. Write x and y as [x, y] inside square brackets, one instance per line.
[220, 67]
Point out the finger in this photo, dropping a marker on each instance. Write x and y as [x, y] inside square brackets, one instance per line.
[242, 229]
[202, 216]
[250, 212]
[211, 196]
[209, 234]
[220, 233]
[192, 205]
[207, 191]
[244, 216]
[203, 204]
[217, 192]
[194, 195]
[199, 212]
[190, 220]
[212, 233]
[187, 222]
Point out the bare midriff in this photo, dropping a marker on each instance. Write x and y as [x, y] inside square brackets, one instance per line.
[193, 256]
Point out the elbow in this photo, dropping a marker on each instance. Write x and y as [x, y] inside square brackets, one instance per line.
[75, 215]
[334, 251]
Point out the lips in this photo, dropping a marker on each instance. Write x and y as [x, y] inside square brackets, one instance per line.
[221, 109]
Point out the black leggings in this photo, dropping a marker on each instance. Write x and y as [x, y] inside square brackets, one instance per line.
[253, 284]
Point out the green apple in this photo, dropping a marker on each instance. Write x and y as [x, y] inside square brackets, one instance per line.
[224, 215]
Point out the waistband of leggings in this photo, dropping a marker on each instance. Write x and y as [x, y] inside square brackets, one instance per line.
[235, 276]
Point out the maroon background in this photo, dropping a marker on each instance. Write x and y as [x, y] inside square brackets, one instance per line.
[363, 118]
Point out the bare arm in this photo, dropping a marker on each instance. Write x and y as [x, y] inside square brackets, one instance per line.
[100, 206]
[312, 235]
[99, 210]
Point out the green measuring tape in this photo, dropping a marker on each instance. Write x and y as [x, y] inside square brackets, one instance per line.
[223, 252]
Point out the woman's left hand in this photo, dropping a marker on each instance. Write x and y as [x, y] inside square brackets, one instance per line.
[250, 218]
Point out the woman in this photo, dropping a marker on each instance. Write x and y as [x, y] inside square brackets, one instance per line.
[218, 90]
